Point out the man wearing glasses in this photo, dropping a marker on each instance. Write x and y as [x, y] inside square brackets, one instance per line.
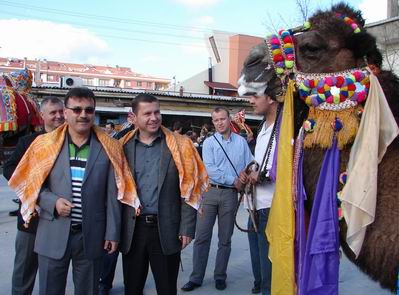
[80, 214]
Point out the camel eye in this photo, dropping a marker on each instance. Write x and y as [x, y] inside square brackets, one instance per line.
[309, 48]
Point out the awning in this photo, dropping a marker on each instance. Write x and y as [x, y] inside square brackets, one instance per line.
[220, 86]
[125, 110]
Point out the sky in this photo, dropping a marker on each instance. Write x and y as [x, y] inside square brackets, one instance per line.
[162, 38]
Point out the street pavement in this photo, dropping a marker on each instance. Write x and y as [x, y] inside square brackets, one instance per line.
[239, 275]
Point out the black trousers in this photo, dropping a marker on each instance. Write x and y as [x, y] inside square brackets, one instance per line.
[108, 270]
[146, 250]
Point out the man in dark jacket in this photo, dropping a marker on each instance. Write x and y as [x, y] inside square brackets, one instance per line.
[25, 264]
[166, 223]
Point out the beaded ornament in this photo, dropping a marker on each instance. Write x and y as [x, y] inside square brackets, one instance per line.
[334, 88]
[309, 125]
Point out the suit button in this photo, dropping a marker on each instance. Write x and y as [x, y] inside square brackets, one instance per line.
[134, 217]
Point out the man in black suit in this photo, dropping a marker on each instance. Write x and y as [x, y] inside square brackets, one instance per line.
[166, 224]
[25, 264]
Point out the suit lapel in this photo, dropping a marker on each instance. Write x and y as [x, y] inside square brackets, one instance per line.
[95, 148]
[63, 163]
[163, 164]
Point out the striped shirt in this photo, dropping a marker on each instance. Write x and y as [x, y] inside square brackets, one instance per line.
[77, 158]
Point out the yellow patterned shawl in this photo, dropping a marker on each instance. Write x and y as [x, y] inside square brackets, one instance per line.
[193, 177]
[38, 160]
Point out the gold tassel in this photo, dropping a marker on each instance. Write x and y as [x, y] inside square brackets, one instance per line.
[323, 131]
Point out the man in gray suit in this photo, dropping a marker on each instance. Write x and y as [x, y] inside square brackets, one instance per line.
[166, 223]
[79, 211]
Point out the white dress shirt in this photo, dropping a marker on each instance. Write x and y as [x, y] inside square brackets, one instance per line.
[264, 191]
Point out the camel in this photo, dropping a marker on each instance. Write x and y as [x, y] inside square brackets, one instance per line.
[330, 43]
[19, 111]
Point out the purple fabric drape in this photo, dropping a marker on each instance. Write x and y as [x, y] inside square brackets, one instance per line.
[321, 262]
[300, 230]
[273, 171]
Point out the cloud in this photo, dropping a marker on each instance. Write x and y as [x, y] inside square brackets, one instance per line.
[205, 20]
[198, 47]
[373, 10]
[53, 41]
[197, 3]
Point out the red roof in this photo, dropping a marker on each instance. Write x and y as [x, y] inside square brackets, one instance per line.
[220, 86]
[73, 68]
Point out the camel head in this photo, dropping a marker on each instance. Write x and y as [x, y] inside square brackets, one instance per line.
[336, 41]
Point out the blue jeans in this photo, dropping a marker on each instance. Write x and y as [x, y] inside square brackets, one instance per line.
[259, 249]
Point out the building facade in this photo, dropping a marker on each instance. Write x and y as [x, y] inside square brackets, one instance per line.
[51, 73]
[227, 52]
[386, 33]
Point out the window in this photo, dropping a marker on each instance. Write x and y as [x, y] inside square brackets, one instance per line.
[128, 84]
[88, 81]
[149, 84]
[139, 83]
[103, 82]
[160, 86]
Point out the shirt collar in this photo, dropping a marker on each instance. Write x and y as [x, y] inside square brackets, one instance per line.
[266, 128]
[158, 136]
[220, 136]
[83, 145]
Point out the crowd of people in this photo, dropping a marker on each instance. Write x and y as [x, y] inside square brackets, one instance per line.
[88, 193]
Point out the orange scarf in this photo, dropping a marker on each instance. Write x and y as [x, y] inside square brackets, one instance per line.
[38, 160]
[192, 174]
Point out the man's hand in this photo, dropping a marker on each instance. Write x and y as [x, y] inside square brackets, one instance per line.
[63, 207]
[185, 241]
[240, 182]
[243, 177]
[253, 177]
[110, 246]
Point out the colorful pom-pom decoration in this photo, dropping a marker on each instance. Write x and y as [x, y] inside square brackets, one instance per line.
[343, 177]
[307, 25]
[350, 22]
[352, 86]
[309, 125]
[282, 51]
[337, 125]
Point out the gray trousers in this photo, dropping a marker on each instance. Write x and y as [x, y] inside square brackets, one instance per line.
[221, 203]
[53, 272]
[25, 264]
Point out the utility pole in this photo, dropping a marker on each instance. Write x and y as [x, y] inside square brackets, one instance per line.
[393, 8]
